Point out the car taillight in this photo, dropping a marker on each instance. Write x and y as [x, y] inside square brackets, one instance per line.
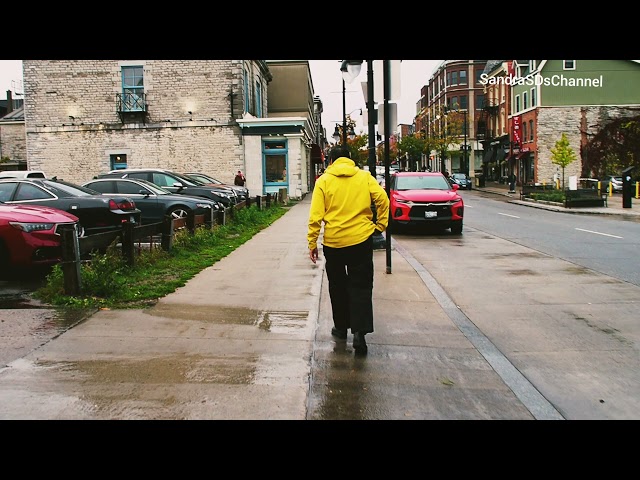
[122, 205]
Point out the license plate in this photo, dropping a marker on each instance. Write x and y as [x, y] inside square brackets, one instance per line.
[430, 214]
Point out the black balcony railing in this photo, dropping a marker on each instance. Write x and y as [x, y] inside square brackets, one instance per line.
[131, 102]
[131, 107]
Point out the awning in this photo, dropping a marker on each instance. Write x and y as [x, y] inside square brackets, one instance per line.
[489, 155]
[523, 154]
[500, 154]
[511, 157]
[317, 157]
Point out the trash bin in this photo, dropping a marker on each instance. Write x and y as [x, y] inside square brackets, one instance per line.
[480, 182]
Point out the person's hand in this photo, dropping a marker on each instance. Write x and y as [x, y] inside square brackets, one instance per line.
[313, 254]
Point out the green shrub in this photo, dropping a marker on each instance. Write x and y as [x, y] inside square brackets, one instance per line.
[549, 196]
[108, 282]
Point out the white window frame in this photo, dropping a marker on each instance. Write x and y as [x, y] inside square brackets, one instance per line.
[565, 66]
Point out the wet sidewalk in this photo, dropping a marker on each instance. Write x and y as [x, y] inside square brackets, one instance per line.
[249, 338]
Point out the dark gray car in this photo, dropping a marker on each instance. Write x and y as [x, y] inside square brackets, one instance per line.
[154, 202]
[175, 182]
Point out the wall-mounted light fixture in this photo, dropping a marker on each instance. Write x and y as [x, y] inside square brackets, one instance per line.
[72, 117]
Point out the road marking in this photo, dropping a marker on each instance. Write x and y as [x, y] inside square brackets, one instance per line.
[507, 215]
[598, 233]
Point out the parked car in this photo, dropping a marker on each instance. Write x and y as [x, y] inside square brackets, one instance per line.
[96, 212]
[154, 202]
[614, 180]
[425, 198]
[175, 182]
[462, 180]
[30, 235]
[22, 174]
[241, 192]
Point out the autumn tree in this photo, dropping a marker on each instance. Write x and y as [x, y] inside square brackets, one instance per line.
[562, 155]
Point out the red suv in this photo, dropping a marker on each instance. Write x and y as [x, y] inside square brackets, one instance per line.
[425, 198]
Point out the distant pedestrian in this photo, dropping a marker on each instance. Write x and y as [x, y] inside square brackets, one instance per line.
[341, 201]
[240, 179]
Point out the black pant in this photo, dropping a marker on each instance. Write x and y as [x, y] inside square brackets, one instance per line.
[350, 274]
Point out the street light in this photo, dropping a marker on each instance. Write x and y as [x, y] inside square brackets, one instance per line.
[350, 133]
[350, 70]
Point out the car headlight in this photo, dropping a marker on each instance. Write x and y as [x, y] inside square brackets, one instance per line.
[222, 194]
[31, 227]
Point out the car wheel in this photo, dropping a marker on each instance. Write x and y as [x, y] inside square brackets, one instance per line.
[456, 229]
[178, 212]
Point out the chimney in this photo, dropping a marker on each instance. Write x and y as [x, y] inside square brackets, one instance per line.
[9, 102]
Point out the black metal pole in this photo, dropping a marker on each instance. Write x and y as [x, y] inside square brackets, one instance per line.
[466, 160]
[378, 238]
[344, 114]
[371, 119]
[386, 73]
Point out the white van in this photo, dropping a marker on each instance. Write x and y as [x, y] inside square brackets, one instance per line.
[21, 174]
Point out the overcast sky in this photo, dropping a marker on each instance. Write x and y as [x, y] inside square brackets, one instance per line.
[327, 84]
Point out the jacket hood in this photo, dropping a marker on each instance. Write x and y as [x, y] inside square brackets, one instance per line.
[342, 167]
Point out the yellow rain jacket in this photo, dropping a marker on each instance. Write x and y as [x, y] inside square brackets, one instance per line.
[342, 199]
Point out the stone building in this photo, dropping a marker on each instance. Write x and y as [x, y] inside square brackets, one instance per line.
[85, 117]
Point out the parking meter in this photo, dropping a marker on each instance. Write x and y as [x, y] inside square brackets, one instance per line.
[627, 187]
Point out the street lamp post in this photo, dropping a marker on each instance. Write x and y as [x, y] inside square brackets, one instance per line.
[466, 158]
[344, 113]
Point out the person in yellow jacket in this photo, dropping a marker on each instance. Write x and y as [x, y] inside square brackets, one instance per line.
[341, 201]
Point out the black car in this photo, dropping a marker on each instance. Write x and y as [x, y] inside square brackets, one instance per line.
[176, 183]
[154, 202]
[462, 180]
[96, 212]
[241, 192]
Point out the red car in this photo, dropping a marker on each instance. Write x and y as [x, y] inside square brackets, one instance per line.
[29, 235]
[425, 198]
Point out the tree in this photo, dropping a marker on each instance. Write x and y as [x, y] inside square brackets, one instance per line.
[413, 146]
[613, 148]
[562, 154]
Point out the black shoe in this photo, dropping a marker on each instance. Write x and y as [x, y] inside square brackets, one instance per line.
[359, 343]
[341, 334]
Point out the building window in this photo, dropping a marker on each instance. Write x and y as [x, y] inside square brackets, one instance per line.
[258, 99]
[525, 97]
[246, 91]
[533, 97]
[118, 161]
[452, 103]
[133, 89]
[448, 78]
[531, 130]
[478, 75]
[463, 77]
[274, 154]
[479, 101]
[524, 131]
[517, 105]
[463, 102]
[568, 64]
[454, 78]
